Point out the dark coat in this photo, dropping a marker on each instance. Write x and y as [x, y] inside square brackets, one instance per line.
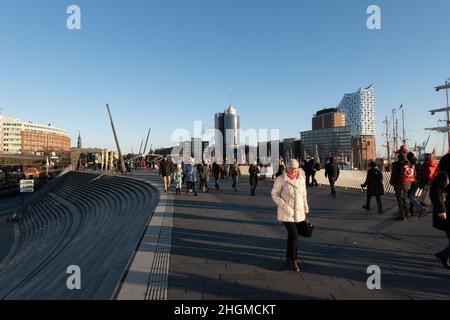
[216, 171]
[280, 171]
[190, 171]
[309, 167]
[440, 197]
[317, 167]
[374, 183]
[332, 171]
[396, 176]
[165, 168]
[205, 171]
[234, 170]
[253, 171]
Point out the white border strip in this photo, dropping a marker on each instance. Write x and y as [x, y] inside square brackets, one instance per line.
[148, 275]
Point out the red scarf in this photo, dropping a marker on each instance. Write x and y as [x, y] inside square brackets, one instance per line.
[293, 176]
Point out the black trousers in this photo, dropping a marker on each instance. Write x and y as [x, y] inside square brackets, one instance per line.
[402, 202]
[203, 183]
[253, 189]
[446, 251]
[292, 240]
[190, 185]
[380, 206]
[308, 179]
[314, 181]
[333, 190]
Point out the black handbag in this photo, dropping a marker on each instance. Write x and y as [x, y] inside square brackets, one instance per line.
[305, 228]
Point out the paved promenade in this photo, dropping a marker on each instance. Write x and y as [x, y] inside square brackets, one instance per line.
[228, 245]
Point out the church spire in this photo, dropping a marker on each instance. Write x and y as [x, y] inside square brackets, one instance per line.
[79, 144]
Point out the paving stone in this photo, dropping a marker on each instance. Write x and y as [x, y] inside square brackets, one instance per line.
[235, 239]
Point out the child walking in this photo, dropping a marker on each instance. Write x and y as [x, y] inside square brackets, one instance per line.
[178, 178]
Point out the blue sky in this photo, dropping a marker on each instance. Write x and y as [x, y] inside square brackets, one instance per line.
[164, 64]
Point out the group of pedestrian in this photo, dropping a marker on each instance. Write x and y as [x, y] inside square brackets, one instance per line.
[408, 175]
[289, 191]
[190, 173]
[311, 167]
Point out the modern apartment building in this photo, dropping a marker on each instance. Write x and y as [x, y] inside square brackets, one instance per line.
[18, 137]
[346, 132]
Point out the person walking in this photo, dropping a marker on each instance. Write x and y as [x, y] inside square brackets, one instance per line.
[332, 173]
[401, 178]
[375, 187]
[178, 178]
[234, 172]
[127, 166]
[309, 165]
[440, 196]
[205, 172]
[281, 168]
[216, 171]
[414, 202]
[190, 172]
[429, 171]
[165, 170]
[315, 168]
[290, 196]
[253, 172]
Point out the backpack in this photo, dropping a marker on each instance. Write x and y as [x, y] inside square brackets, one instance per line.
[408, 173]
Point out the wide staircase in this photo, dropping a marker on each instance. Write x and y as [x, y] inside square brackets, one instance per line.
[90, 221]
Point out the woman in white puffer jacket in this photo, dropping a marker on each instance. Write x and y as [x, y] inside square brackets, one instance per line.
[289, 194]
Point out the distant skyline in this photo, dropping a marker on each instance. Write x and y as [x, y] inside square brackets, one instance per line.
[166, 64]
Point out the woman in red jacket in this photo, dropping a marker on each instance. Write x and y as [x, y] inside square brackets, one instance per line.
[430, 166]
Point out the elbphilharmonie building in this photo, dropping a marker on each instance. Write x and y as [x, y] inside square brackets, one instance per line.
[359, 110]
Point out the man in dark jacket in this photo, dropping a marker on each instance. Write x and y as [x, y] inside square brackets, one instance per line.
[205, 171]
[281, 168]
[332, 172]
[315, 168]
[401, 187]
[234, 173]
[439, 195]
[253, 172]
[165, 170]
[217, 173]
[374, 184]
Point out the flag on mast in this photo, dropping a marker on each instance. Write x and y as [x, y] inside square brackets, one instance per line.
[401, 107]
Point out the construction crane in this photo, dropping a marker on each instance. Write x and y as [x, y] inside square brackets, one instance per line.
[421, 149]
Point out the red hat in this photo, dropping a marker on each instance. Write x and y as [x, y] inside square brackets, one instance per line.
[403, 150]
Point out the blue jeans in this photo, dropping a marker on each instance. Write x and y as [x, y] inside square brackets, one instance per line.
[414, 203]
